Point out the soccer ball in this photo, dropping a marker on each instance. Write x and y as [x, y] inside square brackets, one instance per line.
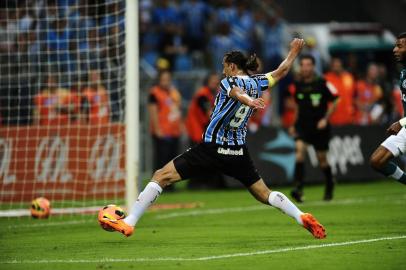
[112, 212]
[40, 208]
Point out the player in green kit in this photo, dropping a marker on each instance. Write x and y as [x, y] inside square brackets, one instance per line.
[395, 144]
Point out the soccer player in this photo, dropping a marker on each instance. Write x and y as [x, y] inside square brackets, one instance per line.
[316, 100]
[224, 149]
[395, 144]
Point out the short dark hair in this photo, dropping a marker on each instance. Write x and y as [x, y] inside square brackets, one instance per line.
[242, 62]
[401, 35]
[308, 56]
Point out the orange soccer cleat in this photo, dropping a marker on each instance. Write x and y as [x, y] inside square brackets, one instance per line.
[311, 224]
[111, 219]
[117, 225]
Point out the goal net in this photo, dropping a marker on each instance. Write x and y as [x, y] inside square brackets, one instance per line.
[63, 99]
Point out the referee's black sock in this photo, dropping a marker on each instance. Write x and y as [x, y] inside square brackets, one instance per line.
[328, 193]
[328, 175]
[299, 175]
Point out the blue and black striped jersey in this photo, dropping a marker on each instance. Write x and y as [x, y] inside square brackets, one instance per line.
[228, 121]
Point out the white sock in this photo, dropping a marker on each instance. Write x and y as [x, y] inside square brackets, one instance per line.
[397, 174]
[280, 201]
[145, 199]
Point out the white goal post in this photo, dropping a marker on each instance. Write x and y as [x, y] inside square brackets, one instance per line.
[132, 97]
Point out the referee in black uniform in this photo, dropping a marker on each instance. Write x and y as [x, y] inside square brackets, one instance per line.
[316, 100]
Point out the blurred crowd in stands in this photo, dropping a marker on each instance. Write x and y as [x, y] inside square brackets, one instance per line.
[50, 53]
[62, 61]
[186, 34]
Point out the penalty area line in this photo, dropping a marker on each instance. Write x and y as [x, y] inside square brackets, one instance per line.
[209, 258]
[216, 211]
[51, 224]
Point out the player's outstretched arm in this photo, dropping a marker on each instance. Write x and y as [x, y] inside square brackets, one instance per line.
[241, 96]
[295, 47]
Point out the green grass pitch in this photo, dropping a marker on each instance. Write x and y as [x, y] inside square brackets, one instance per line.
[366, 229]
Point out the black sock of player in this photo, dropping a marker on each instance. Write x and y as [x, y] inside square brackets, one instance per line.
[328, 176]
[299, 175]
[328, 193]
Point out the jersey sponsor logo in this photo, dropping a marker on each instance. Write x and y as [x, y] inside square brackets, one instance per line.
[230, 152]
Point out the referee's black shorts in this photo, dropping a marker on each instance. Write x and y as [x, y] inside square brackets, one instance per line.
[319, 138]
[206, 158]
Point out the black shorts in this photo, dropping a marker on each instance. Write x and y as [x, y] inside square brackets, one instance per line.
[207, 158]
[319, 138]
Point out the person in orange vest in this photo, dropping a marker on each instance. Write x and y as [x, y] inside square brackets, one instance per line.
[200, 108]
[368, 94]
[164, 107]
[197, 119]
[95, 100]
[344, 83]
[55, 105]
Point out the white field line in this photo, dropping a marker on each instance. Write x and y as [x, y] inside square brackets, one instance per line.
[52, 224]
[58, 211]
[207, 258]
[350, 201]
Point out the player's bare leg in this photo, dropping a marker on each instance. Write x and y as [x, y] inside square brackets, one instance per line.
[325, 167]
[297, 192]
[278, 200]
[161, 178]
[381, 161]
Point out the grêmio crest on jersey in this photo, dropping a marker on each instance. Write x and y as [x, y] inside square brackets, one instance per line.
[228, 121]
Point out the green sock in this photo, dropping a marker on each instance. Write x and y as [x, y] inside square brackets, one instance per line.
[388, 169]
[392, 170]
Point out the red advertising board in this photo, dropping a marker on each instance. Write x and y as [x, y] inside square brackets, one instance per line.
[62, 162]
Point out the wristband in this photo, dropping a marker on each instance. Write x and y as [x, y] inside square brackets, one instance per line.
[402, 121]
